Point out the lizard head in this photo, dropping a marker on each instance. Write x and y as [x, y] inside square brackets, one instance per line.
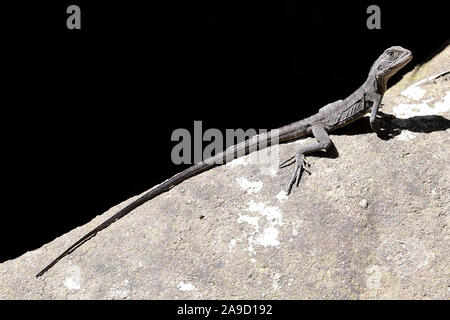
[392, 60]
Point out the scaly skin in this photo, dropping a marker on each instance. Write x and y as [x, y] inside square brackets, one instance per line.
[332, 116]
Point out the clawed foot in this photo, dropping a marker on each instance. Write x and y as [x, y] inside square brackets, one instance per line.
[300, 164]
[386, 129]
[287, 162]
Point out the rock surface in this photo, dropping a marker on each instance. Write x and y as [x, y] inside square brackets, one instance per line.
[372, 223]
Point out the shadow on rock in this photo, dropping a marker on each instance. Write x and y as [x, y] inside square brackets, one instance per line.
[392, 126]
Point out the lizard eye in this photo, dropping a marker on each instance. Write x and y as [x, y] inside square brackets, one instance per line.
[391, 54]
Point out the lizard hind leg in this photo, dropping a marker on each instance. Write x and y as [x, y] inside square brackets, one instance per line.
[300, 164]
[324, 142]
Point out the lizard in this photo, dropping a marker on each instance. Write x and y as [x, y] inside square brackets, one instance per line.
[365, 99]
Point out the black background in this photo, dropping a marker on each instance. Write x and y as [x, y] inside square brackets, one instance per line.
[280, 309]
[87, 115]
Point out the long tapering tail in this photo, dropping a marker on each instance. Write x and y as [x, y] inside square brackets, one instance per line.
[250, 145]
[163, 187]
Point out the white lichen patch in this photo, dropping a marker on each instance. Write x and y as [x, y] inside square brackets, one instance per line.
[249, 186]
[374, 276]
[405, 110]
[73, 281]
[269, 237]
[406, 135]
[253, 221]
[186, 286]
[272, 214]
[444, 105]
[282, 196]
[269, 226]
[414, 92]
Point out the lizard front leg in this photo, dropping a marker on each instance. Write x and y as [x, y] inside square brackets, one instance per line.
[385, 130]
[376, 99]
[324, 142]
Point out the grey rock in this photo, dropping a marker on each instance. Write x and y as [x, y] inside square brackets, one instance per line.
[254, 242]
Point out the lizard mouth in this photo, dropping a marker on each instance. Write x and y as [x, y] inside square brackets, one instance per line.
[399, 63]
[402, 60]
